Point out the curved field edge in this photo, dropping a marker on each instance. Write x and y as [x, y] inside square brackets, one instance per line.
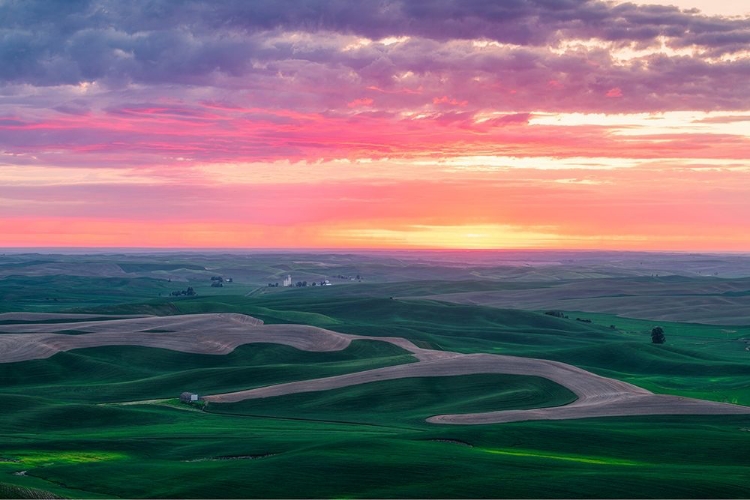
[222, 333]
[132, 373]
[701, 361]
[409, 399]
[699, 457]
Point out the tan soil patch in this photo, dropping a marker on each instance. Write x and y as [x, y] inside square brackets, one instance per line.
[33, 316]
[222, 333]
[196, 333]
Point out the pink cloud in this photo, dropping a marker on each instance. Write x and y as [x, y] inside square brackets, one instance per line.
[614, 92]
[257, 134]
[359, 103]
[448, 101]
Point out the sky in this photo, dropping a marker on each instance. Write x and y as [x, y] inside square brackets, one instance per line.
[566, 124]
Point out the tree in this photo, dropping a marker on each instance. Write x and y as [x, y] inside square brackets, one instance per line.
[657, 335]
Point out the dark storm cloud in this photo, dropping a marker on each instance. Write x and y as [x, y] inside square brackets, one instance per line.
[235, 45]
[510, 21]
[63, 41]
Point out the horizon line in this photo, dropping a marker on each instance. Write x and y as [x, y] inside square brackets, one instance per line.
[353, 250]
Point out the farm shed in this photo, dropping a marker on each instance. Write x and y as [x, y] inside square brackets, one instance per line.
[188, 397]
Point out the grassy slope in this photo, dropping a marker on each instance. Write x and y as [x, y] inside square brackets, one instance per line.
[67, 444]
[702, 457]
[709, 362]
[116, 374]
[409, 400]
[55, 293]
[385, 449]
[703, 361]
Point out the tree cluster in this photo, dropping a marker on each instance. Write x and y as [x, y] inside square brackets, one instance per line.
[556, 314]
[657, 335]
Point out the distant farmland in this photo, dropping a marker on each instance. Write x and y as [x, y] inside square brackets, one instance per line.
[85, 421]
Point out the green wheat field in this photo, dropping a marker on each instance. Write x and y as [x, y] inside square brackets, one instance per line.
[106, 422]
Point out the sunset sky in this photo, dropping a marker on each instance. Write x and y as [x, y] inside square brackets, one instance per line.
[577, 124]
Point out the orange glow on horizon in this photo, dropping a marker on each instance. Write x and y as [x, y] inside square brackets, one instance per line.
[65, 233]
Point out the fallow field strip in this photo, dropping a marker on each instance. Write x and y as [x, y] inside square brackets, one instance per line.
[217, 334]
